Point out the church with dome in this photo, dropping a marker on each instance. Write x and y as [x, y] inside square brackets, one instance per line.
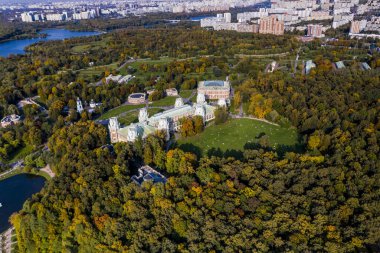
[168, 121]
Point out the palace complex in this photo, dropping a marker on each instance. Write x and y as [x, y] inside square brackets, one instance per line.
[215, 89]
[168, 121]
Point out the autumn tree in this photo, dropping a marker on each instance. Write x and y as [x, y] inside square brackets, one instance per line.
[221, 115]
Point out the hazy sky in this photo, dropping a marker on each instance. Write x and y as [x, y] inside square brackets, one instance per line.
[33, 1]
[26, 1]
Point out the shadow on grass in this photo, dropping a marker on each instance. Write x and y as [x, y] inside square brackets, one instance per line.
[281, 150]
[188, 147]
[252, 145]
[211, 152]
[260, 135]
[237, 154]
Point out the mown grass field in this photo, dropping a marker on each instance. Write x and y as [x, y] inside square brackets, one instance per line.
[235, 134]
[166, 101]
[133, 117]
[119, 110]
[208, 74]
[97, 70]
[144, 74]
[185, 93]
[96, 45]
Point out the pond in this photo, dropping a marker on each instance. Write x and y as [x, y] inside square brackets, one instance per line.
[17, 46]
[14, 191]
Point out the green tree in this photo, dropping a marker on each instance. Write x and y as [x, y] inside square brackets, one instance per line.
[221, 115]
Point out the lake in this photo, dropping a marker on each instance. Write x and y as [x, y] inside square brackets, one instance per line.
[14, 191]
[17, 46]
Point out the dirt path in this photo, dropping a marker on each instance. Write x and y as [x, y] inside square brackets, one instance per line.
[48, 170]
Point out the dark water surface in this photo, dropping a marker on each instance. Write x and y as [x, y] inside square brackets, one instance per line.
[17, 46]
[14, 191]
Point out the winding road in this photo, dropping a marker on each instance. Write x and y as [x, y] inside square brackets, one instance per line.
[100, 82]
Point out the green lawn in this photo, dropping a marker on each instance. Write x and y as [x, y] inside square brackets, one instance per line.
[144, 74]
[81, 48]
[208, 74]
[96, 45]
[185, 93]
[21, 153]
[162, 60]
[133, 117]
[97, 70]
[119, 110]
[235, 134]
[166, 101]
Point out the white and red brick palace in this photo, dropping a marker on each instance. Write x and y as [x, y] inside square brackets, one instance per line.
[216, 89]
[168, 120]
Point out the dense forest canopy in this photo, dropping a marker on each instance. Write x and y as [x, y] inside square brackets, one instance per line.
[51, 71]
[325, 198]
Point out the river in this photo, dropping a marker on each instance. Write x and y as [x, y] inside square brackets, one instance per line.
[14, 191]
[17, 46]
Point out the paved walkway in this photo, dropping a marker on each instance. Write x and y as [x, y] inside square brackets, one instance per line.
[262, 55]
[14, 166]
[234, 116]
[100, 82]
[6, 241]
[126, 62]
[296, 61]
[48, 170]
[187, 100]
[20, 164]
[30, 101]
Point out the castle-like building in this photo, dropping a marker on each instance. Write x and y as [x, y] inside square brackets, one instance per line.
[215, 89]
[168, 121]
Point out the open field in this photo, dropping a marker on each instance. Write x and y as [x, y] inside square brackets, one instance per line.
[97, 70]
[96, 45]
[235, 135]
[144, 74]
[141, 73]
[129, 118]
[185, 93]
[21, 153]
[119, 110]
[166, 101]
[133, 117]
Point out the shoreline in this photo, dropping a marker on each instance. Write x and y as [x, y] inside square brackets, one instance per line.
[42, 35]
[24, 38]
[19, 171]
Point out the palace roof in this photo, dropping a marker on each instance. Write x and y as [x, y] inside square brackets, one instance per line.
[214, 84]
